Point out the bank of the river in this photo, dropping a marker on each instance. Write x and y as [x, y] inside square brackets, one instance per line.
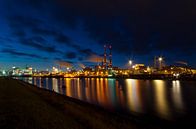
[186, 77]
[24, 106]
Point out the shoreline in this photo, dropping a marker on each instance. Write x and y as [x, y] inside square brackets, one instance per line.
[143, 119]
[83, 114]
[133, 117]
[140, 77]
[27, 106]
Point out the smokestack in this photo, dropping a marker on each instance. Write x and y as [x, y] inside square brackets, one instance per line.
[110, 56]
[105, 56]
[155, 61]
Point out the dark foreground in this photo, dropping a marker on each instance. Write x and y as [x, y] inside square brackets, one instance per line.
[23, 106]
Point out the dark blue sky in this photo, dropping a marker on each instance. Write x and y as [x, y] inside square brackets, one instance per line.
[42, 33]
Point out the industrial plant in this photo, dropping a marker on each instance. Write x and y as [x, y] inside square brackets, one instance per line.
[105, 68]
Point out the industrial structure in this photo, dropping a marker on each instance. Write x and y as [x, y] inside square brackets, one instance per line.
[105, 64]
[105, 68]
[159, 62]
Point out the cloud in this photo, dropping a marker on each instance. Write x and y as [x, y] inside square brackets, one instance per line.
[62, 39]
[44, 31]
[5, 39]
[70, 55]
[136, 26]
[39, 43]
[30, 29]
[65, 63]
[19, 33]
[86, 52]
[18, 21]
[21, 25]
[94, 59]
[131, 26]
[21, 54]
[81, 65]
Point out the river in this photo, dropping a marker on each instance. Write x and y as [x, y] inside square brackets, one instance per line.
[169, 100]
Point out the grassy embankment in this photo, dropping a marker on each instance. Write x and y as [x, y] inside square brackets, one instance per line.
[25, 107]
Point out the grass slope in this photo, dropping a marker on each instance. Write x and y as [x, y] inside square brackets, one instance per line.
[26, 107]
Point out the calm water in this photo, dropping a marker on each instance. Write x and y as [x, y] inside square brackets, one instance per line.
[171, 100]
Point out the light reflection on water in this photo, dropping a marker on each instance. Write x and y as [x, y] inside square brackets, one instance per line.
[164, 99]
[133, 95]
[161, 102]
[177, 95]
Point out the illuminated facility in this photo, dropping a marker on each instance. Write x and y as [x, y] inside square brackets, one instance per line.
[105, 68]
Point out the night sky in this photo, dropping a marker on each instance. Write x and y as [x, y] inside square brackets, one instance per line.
[42, 33]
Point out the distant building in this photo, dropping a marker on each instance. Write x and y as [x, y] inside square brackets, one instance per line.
[27, 71]
[54, 70]
[139, 68]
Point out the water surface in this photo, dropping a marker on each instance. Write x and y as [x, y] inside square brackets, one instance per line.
[170, 100]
